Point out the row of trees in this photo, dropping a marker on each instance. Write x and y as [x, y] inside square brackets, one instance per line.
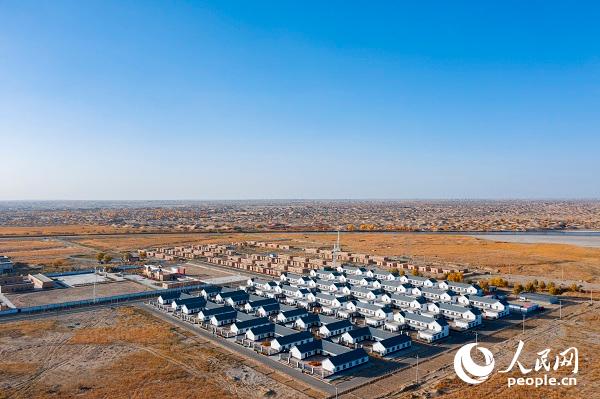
[457, 277]
[551, 287]
[103, 257]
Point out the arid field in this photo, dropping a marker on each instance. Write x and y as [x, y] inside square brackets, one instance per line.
[122, 353]
[548, 260]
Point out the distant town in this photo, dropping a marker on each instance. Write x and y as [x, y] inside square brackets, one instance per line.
[306, 215]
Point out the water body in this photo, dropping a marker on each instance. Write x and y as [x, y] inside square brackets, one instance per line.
[579, 238]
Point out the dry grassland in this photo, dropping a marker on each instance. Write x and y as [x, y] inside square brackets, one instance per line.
[122, 353]
[545, 260]
[8, 231]
[51, 253]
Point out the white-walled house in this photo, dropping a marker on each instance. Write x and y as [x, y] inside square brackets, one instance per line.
[335, 328]
[492, 308]
[463, 317]
[461, 288]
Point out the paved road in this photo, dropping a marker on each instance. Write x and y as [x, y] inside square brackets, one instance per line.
[233, 347]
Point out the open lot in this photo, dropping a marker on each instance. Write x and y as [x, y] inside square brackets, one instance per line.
[122, 353]
[57, 295]
[82, 279]
[51, 253]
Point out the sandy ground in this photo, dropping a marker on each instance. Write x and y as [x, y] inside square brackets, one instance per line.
[73, 294]
[582, 241]
[43, 252]
[579, 327]
[204, 272]
[122, 353]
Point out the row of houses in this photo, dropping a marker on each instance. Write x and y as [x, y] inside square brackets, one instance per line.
[275, 264]
[377, 301]
[287, 329]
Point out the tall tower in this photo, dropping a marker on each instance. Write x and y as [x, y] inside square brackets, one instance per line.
[336, 250]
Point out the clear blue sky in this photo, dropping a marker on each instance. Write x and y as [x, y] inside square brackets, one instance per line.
[227, 99]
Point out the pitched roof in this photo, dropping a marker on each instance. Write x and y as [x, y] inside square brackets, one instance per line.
[395, 340]
[291, 338]
[338, 325]
[347, 357]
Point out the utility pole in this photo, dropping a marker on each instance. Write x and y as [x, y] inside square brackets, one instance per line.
[417, 373]
[95, 277]
[560, 308]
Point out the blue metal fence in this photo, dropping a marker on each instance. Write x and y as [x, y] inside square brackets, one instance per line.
[71, 273]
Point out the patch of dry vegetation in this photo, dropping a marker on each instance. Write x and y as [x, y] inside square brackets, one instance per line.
[131, 327]
[54, 255]
[123, 353]
[7, 231]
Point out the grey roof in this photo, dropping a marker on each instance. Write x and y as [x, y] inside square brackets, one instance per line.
[392, 283]
[194, 301]
[324, 346]
[348, 357]
[373, 307]
[294, 312]
[453, 308]
[225, 316]
[437, 291]
[462, 285]
[338, 325]
[291, 338]
[264, 329]
[418, 317]
[218, 310]
[212, 289]
[310, 318]
[359, 332]
[395, 340]
[401, 297]
[263, 302]
[234, 294]
[484, 299]
[539, 297]
[256, 321]
[271, 307]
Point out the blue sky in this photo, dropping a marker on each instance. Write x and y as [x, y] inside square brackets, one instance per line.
[229, 100]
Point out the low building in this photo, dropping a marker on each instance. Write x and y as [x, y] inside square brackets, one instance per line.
[6, 265]
[286, 342]
[538, 298]
[335, 328]
[492, 308]
[288, 316]
[40, 281]
[206, 314]
[222, 319]
[192, 305]
[392, 344]
[523, 307]
[14, 284]
[241, 326]
[344, 361]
